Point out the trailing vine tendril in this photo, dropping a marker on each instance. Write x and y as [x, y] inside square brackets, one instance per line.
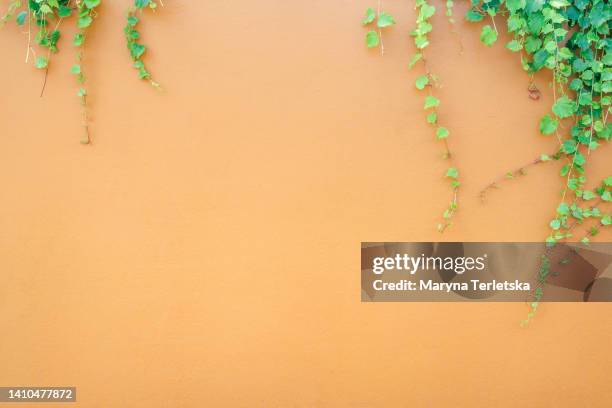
[571, 39]
[43, 19]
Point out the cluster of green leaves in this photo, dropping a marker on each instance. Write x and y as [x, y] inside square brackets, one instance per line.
[10, 12]
[428, 81]
[373, 37]
[86, 12]
[571, 39]
[132, 36]
[543, 273]
[43, 19]
[450, 4]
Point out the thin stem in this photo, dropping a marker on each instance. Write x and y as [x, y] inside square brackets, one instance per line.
[520, 171]
[380, 36]
[29, 34]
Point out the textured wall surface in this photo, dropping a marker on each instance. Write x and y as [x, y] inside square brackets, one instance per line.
[204, 251]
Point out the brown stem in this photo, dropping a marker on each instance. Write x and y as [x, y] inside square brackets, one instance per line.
[520, 171]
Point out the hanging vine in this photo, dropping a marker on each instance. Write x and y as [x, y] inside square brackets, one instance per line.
[571, 39]
[132, 36]
[43, 20]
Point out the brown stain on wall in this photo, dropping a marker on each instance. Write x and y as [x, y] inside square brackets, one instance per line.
[205, 250]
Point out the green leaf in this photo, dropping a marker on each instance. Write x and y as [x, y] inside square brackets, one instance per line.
[473, 16]
[548, 125]
[569, 146]
[385, 20]
[563, 209]
[427, 11]
[452, 173]
[606, 219]
[608, 181]
[442, 133]
[421, 42]
[432, 118]
[79, 39]
[514, 5]
[372, 39]
[84, 21]
[21, 18]
[488, 35]
[588, 195]
[137, 50]
[544, 157]
[90, 4]
[422, 81]
[41, 62]
[415, 58]
[564, 107]
[64, 11]
[514, 46]
[431, 102]
[76, 69]
[564, 170]
[532, 44]
[370, 16]
[555, 224]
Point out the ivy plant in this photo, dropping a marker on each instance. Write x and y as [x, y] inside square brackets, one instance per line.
[43, 20]
[571, 40]
[374, 37]
[427, 82]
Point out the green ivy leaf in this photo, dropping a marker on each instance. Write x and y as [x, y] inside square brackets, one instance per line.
[548, 125]
[427, 11]
[452, 173]
[84, 21]
[370, 16]
[421, 82]
[473, 16]
[372, 39]
[64, 11]
[431, 102]
[514, 5]
[421, 42]
[385, 20]
[21, 18]
[514, 46]
[76, 69]
[563, 209]
[79, 39]
[488, 35]
[90, 4]
[442, 133]
[432, 118]
[588, 195]
[564, 107]
[555, 224]
[415, 58]
[41, 62]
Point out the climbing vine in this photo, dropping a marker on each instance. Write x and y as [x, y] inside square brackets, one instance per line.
[132, 36]
[374, 37]
[43, 19]
[571, 40]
